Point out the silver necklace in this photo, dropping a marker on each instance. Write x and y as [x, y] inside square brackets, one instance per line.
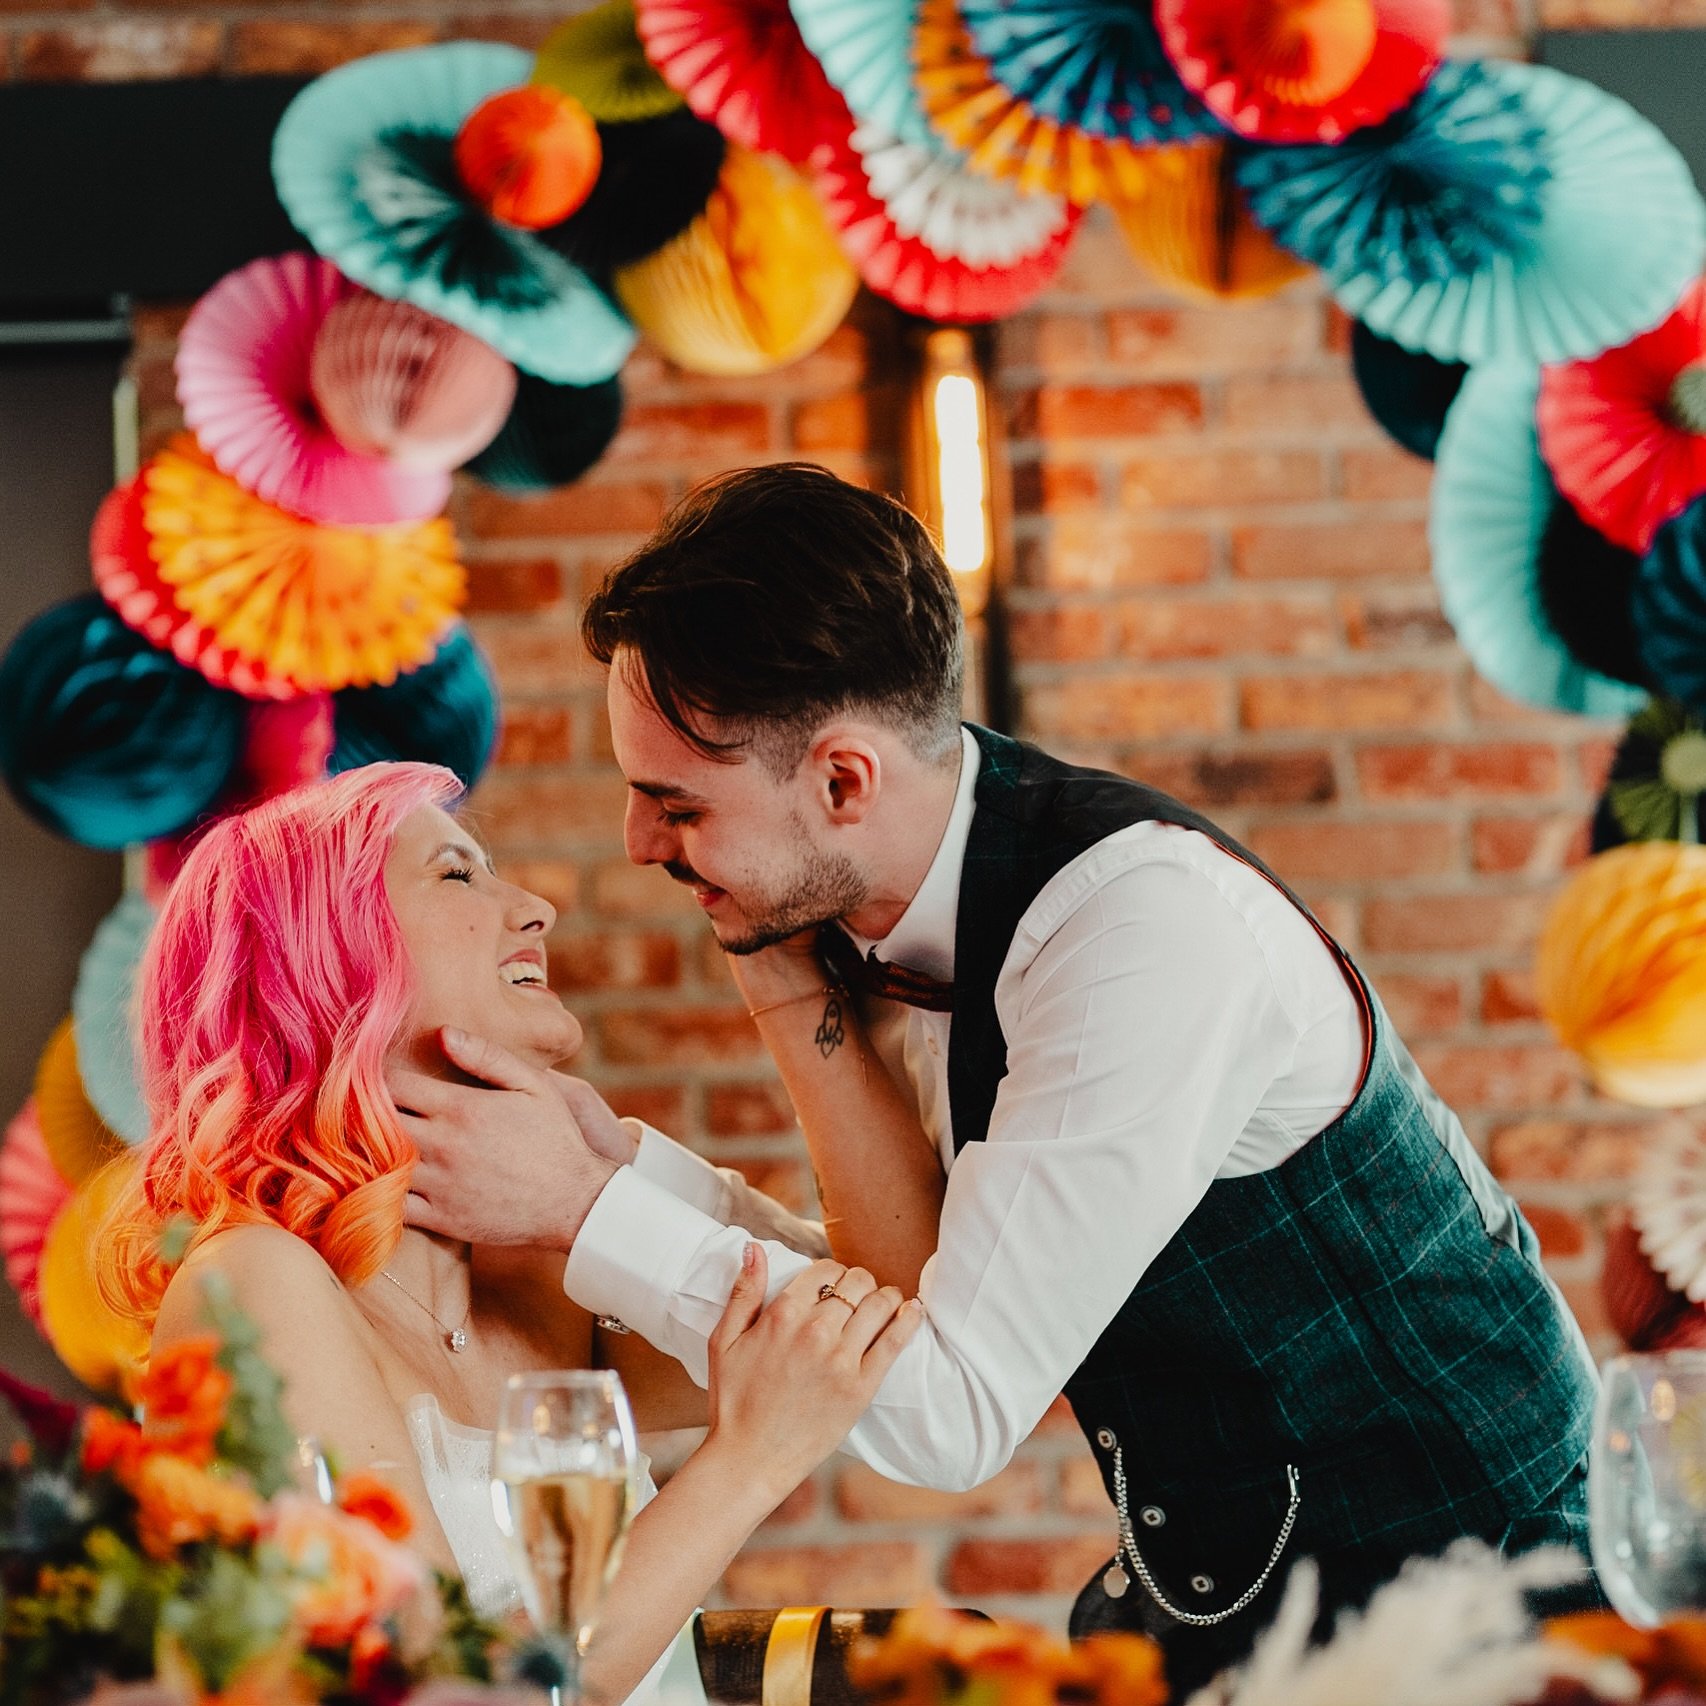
[455, 1337]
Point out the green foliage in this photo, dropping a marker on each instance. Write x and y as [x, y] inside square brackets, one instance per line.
[256, 1438]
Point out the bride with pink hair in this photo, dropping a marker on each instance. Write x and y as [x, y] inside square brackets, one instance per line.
[308, 947]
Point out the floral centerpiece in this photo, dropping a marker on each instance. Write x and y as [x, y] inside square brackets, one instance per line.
[181, 1564]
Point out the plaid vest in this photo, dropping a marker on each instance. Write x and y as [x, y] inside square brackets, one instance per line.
[1372, 1312]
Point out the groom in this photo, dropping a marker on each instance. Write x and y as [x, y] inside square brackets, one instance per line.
[1193, 1178]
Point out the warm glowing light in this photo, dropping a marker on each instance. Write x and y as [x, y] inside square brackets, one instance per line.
[960, 473]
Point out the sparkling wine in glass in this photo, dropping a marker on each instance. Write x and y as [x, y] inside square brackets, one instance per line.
[563, 1487]
[1647, 1485]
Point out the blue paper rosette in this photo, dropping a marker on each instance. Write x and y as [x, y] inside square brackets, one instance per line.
[445, 712]
[362, 161]
[1409, 394]
[1492, 500]
[1095, 65]
[865, 49]
[1510, 213]
[1670, 608]
[103, 1016]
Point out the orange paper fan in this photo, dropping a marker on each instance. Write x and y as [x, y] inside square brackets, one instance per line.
[1621, 976]
[1003, 135]
[77, 1138]
[326, 607]
[1193, 231]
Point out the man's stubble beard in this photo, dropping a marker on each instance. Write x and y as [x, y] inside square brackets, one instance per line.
[826, 886]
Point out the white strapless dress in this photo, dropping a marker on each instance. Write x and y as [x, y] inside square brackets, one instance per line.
[456, 1464]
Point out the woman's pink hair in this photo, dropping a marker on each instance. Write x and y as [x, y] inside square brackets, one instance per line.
[274, 985]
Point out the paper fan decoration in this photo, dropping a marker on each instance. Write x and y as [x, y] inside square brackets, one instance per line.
[103, 1349]
[32, 1193]
[1670, 608]
[658, 174]
[77, 1139]
[242, 369]
[1621, 976]
[1408, 393]
[1096, 64]
[103, 1016]
[105, 740]
[1004, 136]
[865, 49]
[743, 65]
[1657, 776]
[1645, 1312]
[553, 434]
[1192, 230]
[363, 162]
[599, 60]
[1303, 70]
[528, 156]
[1492, 498]
[1667, 1208]
[396, 382]
[325, 607]
[1587, 588]
[1625, 432]
[912, 275]
[755, 282]
[1510, 213]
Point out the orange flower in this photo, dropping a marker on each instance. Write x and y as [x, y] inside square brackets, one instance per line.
[179, 1503]
[183, 1397]
[1671, 1657]
[350, 1574]
[1124, 1670]
[110, 1442]
[377, 1502]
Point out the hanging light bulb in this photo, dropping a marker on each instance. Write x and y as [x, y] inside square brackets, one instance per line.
[952, 461]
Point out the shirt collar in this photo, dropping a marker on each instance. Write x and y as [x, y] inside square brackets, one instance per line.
[923, 936]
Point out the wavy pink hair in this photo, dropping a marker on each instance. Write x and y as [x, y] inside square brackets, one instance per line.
[274, 985]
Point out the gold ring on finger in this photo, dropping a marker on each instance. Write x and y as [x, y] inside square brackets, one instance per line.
[826, 1291]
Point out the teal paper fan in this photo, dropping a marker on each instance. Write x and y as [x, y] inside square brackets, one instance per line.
[362, 162]
[1578, 229]
[103, 1016]
[865, 49]
[1492, 498]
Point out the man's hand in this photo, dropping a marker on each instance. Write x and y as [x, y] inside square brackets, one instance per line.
[605, 1134]
[502, 1161]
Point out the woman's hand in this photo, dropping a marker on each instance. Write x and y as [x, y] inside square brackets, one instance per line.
[788, 1381]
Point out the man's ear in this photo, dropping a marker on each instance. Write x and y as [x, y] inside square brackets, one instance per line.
[847, 775]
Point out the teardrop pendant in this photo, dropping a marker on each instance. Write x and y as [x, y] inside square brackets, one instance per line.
[1115, 1581]
[458, 1339]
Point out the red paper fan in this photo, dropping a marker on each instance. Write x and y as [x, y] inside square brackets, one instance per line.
[31, 1195]
[743, 66]
[907, 271]
[1624, 433]
[127, 577]
[1303, 70]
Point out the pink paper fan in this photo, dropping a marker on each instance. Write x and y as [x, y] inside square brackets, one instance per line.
[242, 368]
[391, 380]
[908, 271]
[127, 577]
[743, 66]
[1624, 433]
[31, 1196]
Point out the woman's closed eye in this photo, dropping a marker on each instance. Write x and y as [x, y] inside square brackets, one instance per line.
[459, 874]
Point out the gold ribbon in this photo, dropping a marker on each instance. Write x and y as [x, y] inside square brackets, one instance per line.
[789, 1654]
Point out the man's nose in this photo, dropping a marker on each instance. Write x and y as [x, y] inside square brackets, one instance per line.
[646, 839]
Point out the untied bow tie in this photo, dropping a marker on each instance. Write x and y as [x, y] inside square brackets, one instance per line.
[865, 974]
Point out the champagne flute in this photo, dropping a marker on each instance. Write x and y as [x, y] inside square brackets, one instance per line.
[1647, 1485]
[563, 1489]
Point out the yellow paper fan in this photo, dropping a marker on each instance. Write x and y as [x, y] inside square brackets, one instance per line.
[755, 282]
[77, 1139]
[1621, 975]
[103, 1349]
[1193, 231]
[325, 607]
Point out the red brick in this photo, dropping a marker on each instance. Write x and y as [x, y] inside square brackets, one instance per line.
[862, 1495]
[158, 323]
[1593, 761]
[1161, 629]
[1209, 339]
[1058, 633]
[661, 1105]
[534, 657]
[757, 1109]
[1058, 1419]
[1100, 552]
[1383, 474]
[1082, 1490]
[1587, 1304]
[631, 507]
[1421, 1006]
[1506, 19]
[1509, 998]
[1289, 404]
[1356, 850]
[1056, 412]
[1622, 14]
[279, 47]
[1054, 485]
[513, 584]
[615, 959]
[874, 1572]
[1394, 699]
[800, 1505]
[1536, 847]
[519, 29]
[1393, 618]
[1335, 550]
[832, 423]
[1052, 342]
[1452, 923]
[677, 1035]
[674, 432]
[623, 889]
[130, 50]
[546, 810]
[535, 734]
[1561, 1233]
[1499, 1075]
[1583, 1152]
[1061, 1564]
[1220, 478]
[1124, 707]
[1450, 770]
[554, 880]
[1252, 778]
[783, 1178]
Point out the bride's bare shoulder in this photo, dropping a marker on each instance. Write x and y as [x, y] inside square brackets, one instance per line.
[266, 1270]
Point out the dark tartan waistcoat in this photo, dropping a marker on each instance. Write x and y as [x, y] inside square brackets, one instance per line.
[1372, 1312]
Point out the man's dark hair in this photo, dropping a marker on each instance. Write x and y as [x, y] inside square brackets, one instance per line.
[773, 598]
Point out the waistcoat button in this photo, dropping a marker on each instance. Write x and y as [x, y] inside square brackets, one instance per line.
[1105, 1439]
[1152, 1516]
[1202, 1584]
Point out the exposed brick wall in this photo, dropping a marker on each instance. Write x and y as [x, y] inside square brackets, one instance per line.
[1219, 582]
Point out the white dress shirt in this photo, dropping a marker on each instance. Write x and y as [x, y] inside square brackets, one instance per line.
[1171, 1018]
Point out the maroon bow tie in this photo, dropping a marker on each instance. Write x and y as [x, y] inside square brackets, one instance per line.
[865, 974]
